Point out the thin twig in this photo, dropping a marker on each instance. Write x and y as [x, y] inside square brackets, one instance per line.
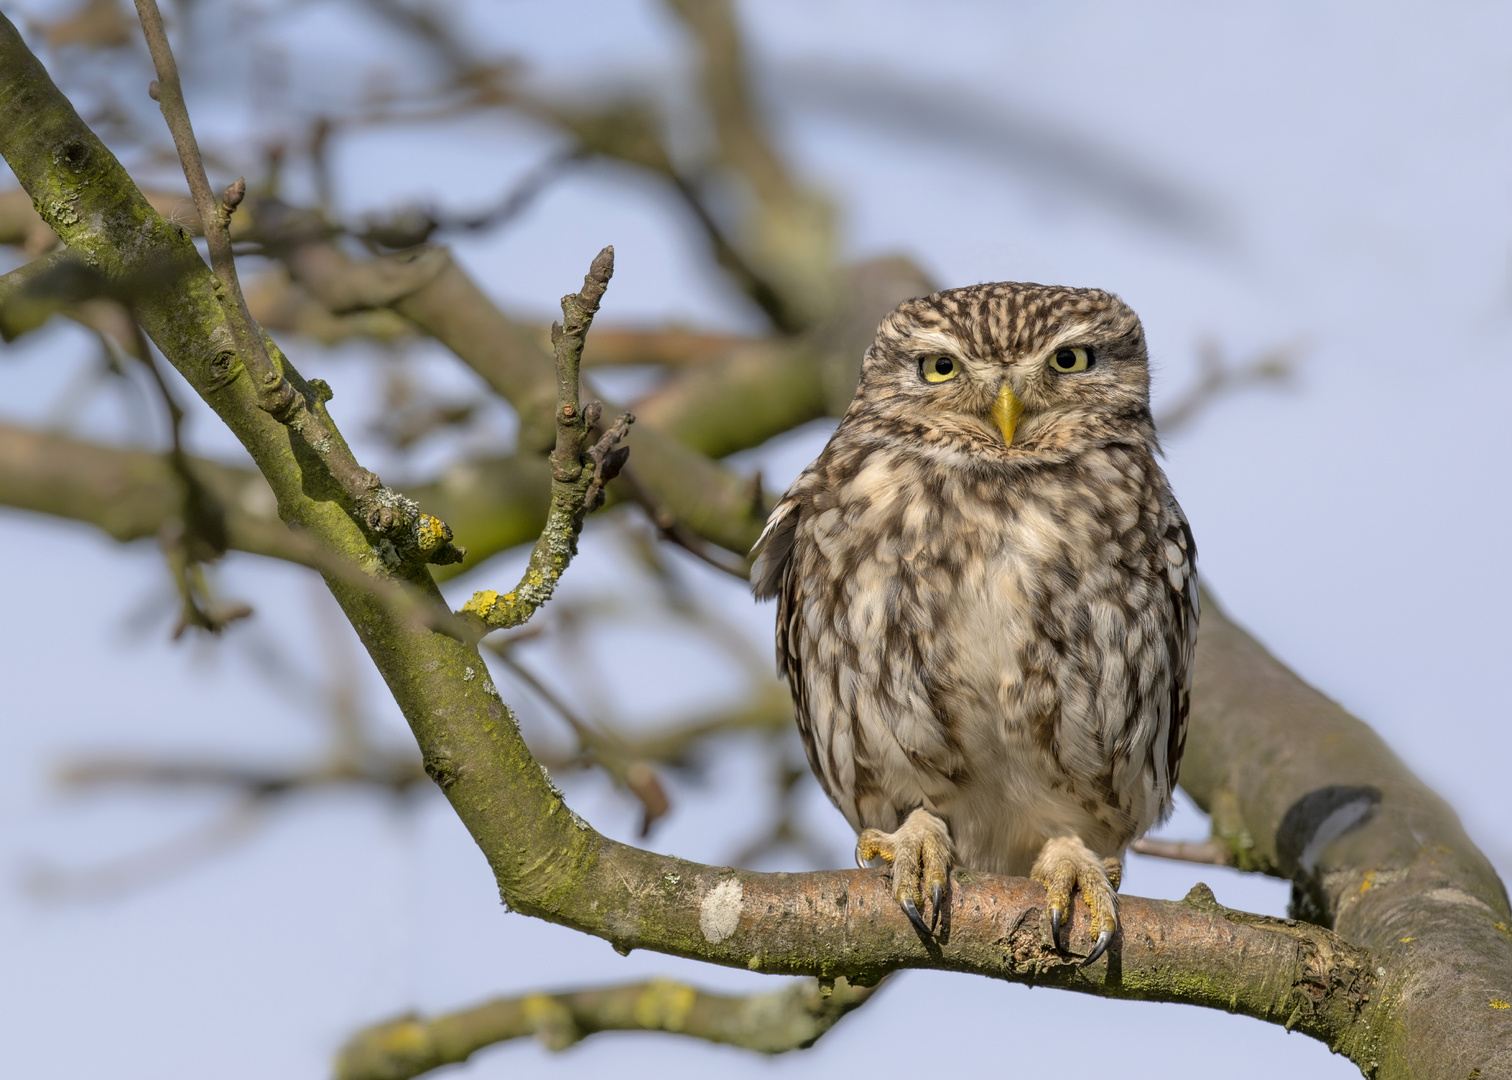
[604, 749]
[200, 535]
[414, 225]
[578, 473]
[411, 533]
[674, 531]
[274, 391]
[1218, 379]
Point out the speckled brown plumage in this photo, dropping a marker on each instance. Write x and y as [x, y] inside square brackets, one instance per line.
[996, 633]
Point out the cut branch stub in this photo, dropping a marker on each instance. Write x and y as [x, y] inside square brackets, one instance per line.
[578, 476]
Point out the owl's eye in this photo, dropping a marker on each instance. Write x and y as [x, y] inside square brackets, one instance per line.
[939, 369]
[1070, 361]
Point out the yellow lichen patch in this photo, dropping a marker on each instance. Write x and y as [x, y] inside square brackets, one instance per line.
[1503, 928]
[1407, 940]
[1368, 882]
[1498, 1003]
[431, 533]
[482, 602]
[664, 1005]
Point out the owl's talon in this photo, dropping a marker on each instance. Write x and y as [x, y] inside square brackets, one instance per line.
[1066, 866]
[912, 911]
[919, 851]
[1097, 950]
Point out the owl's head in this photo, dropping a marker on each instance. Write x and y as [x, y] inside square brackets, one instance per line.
[1010, 368]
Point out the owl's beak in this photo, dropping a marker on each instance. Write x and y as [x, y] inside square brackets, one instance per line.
[1006, 411]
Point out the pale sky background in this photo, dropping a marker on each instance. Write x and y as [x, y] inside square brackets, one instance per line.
[1349, 181]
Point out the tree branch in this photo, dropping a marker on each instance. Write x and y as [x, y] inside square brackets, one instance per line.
[1300, 789]
[772, 1023]
[407, 532]
[427, 287]
[576, 488]
[132, 494]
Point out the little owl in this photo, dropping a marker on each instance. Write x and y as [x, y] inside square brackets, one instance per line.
[987, 598]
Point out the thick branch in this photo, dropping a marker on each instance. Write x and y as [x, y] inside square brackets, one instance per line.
[1299, 788]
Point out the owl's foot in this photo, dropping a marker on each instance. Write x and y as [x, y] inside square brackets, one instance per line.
[919, 852]
[1065, 864]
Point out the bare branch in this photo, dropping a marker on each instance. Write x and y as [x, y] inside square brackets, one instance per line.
[1210, 852]
[275, 393]
[576, 489]
[599, 747]
[1218, 379]
[385, 511]
[772, 1023]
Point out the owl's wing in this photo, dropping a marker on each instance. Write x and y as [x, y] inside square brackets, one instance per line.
[773, 575]
[774, 548]
[1181, 637]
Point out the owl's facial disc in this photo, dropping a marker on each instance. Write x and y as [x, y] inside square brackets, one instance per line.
[1006, 411]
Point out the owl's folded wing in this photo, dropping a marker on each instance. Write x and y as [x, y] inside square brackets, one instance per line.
[1181, 640]
[774, 548]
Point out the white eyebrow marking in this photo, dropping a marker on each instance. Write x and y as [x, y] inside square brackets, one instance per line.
[935, 340]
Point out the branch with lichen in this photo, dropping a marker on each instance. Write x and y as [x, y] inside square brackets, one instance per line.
[578, 476]
[771, 1023]
[406, 532]
[1421, 918]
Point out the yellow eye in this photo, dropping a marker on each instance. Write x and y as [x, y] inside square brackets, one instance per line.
[1070, 361]
[939, 368]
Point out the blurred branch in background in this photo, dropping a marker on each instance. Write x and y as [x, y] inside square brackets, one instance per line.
[1218, 379]
[771, 1023]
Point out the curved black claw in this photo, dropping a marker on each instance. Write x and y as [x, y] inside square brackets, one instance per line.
[1055, 925]
[937, 894]
[912, 911]
[1098, 949]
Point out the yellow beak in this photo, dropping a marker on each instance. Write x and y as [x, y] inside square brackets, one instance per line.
[1006, 411]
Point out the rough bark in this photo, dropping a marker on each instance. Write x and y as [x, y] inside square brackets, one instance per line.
[1299, 788]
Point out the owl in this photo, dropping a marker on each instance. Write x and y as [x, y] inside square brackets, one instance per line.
[987, 598]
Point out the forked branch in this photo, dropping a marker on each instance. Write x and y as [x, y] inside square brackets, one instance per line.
[578, 475]
[411, 535]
